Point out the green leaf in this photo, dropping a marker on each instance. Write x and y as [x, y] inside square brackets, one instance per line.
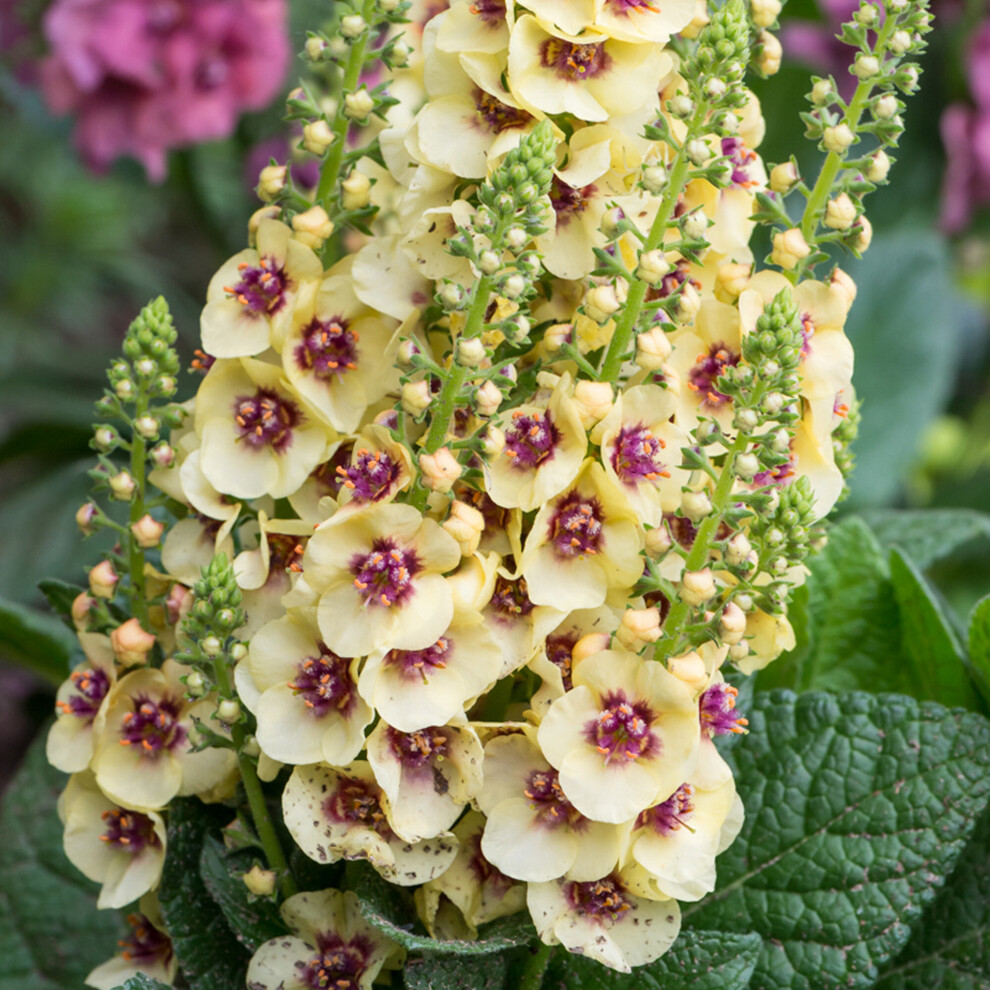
[51, 934]
[142, 982]
[60, 594]
[936, 656]
[857, 808]
[382, 905]
[698, 960]
[927, 535]
[490, 972]
[950, 948]
[979, 643]
[253, 920]
[35, 640]
[209, 954]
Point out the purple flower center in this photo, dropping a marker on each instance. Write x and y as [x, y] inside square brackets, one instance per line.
[625, 6]
[419, 664]
[740, 158]
[415, 750]
[356, 802]
[371, 476]
[153, 725]
[706, 372]
[492, 12]
[621, 731]
[531, 440]
[547, 799]
[573, 62]
[560, 654]
[325, 683]
[669, 815]
[511, 598]
[603, 900]
[782, 474]
[636, 456]
[328, 348]
[496, 115]
[262, 287]
[576, 528]
[91, 686]
[128, 830]
[266, 419]
[807, 332]
[484, 872]
[145, 943]
[337, 965]
[568, 201]
[717, 709]
[385, 576]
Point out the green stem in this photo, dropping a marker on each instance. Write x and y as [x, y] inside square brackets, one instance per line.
[633, 306]
[135, 555]
[252, 785]
[814, 208]
[330, 172]
[680, 610]
[533, 972]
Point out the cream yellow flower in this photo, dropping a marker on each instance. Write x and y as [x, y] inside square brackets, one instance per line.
[147, 949]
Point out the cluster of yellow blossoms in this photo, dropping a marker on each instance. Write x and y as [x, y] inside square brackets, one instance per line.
[473, 655]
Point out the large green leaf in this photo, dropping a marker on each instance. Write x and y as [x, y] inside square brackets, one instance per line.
[698, 960]
[489, 972]
[51, 934]
[209, 954]
[950, 947]
[142, 982]
[928, 535]
[979, 644]
[937, 659]
[35, 640]
[857, 809]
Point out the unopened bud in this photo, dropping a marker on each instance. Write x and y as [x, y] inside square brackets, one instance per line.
[653, 347]
[211, 646]
[885, 107]
[405, 353]
[689, 669]
[487, 398]
[842, 284]
[439, 471]
[655, 179]
[82, 605]
[639, 626]
[765, 12]
[271, 182]
[123, 486]
[513, 287]
[746, 466]
[260, 882]
[238, 652]
[865, 66]
[270, 212]
[314, 49]
[84, 518]
[147, 427]
[739, 651]
[770, 53]
[697, 151]
[680, 106]
[732, 624]
[353, 26]
[878, 167]
[730, 281]
[840, 213]
[556, 336]
[789, 248]
[601, 303]
[465, 524]
[312, 226]
[451, 296]
[590, 644]
[493, 442]
[162, 455]
[594, 401]
[130, 643]
[900, 42]
[688, 303]
[822, 92]
[229, 710]
[317, 136]
[698, 587]
[652, 267]
[416, 397]
[784, 177]
[866, 15]
[195, 684]
[516, 238]
[694, 225]
[470, 352]
[696, 505]
[658, 542]
[400, 54]
[147, 531]
[738, 549]
[358, 105]
[489, 262]
[838, 138]
[863, 236]
[356, 190]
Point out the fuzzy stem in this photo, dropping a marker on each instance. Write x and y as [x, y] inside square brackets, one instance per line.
[633, 306]
[135, 555]
[535, 968]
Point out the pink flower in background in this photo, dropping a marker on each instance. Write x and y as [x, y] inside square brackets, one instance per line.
[143, 76]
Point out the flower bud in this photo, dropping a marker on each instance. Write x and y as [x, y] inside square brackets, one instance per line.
[82, 605]
[694, 225]
[697, 587]
[271, 182]
[556, 336]
[739, 651]
[695, 505]
[416, 397]
[900, 42]
[653, 347]
[124, 389]
[122, 486]
[314, 49]
[770, 53]
[680, 106]
[658, 542]
[639, 627]
[746, 466]
[840, 213]
[697, 151]
[147, 531]
[260, 882]
[229, 710]
[405, 353]
[130, 643]
[789, 248]
[783, 177]
[908, 78]
[732, 624]
[147, 427]
[162, 455]
[866, 15]
[358, 105]
[451, 296]
[439, 471]
[688, 303]
[487, 398]
[652, 267]
[610, 222]
[270, 212]
[878, 167]
[885, 107]
[655, 179]
[690, 669]
[465, 524]
[312, 227]
[400, 54]
[318, 136]
[838, 138]
[353, 26]
[594, 401]
[493, 442]
[863, 236]
[822, 92]
[516, 238]
[738, 549]
[865, 66]
[601, 303]
[730, 281]
[84, 518]
[489, 262]
[356, 190]
[765, 12]
[513, 287]
[842, 284]
[470, 352]
[590, 644]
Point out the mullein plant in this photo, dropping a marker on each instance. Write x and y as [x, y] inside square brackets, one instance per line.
[504, 455]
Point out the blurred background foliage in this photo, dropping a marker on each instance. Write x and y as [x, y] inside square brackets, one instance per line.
[79, 255]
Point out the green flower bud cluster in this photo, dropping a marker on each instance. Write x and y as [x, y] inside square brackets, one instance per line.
[842, 441]
[723, 47]
[150, 363]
